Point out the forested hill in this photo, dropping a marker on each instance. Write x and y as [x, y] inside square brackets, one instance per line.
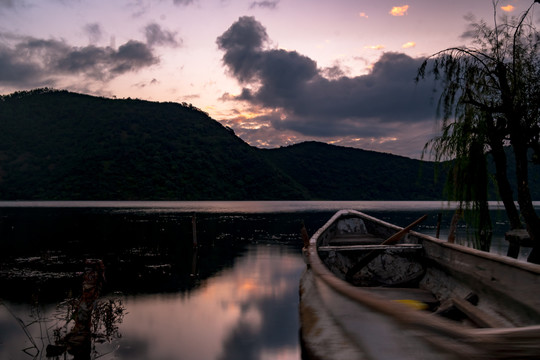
[343, 173]
[61, 145]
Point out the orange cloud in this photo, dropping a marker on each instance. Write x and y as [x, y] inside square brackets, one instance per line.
[375, 47]
[408, 45]
[399, 10]
[508, 8]
[363, 15]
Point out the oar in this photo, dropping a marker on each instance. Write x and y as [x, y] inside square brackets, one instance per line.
[373, 254]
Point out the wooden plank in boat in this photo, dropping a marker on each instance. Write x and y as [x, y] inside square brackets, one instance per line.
[398, 247]
[355, 239]
[478, 316]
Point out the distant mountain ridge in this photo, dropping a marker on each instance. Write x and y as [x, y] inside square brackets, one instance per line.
[342, 173]
[62, 145]
[58, 145]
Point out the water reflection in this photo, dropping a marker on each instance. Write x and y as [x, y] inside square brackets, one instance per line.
[241, 303]
[248, 311]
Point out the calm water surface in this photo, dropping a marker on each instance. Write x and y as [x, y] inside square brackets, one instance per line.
[236, 297]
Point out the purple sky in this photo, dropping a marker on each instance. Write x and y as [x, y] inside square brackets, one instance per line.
[277, 71]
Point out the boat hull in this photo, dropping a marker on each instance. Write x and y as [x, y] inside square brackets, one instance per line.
[341, 321]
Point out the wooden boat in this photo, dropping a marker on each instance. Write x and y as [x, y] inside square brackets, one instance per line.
[417, 297]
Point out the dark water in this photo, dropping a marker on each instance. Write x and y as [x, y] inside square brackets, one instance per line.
[235, 297]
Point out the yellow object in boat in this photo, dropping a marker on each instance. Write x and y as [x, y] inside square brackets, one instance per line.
[418, 305]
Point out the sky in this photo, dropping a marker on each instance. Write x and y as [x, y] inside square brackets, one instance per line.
[278, 72]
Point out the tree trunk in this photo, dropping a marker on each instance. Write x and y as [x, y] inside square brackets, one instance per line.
[503, 185]
[524, 199]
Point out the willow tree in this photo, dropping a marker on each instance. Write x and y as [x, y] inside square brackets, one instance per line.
[464, 141]
[491, 99]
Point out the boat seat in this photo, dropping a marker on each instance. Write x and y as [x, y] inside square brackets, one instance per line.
[397, 247]
[355, 239]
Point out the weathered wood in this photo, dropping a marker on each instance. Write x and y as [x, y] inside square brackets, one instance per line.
[478, 316]
[397, 247]
[355, 239]
[388, 329]
[517, 238]
[305, 236]
[453, 226]
[373, 254]
[439, 218]
[449, 310]
[397, 236]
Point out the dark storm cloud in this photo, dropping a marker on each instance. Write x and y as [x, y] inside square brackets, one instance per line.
[132, 56]
[313, 103]
[271, 4]
[32, 61]
[155, 35]
[12, 70]
[242, 43]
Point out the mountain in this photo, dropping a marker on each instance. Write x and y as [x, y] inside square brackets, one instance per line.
[342, 173]
[61, 145]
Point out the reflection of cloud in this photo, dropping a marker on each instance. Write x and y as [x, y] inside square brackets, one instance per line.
[399, 10]
[268, 335]
[241, 313]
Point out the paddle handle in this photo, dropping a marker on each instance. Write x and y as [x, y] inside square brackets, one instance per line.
[397, 236]
[373, 254]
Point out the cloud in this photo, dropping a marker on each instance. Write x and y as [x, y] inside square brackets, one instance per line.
[408, 45]
[375, 47]
[300, 97]
[508, 8]
[333, 72]
[14, 70]
[29, 61]
[155, 35]
[183, 2]
[94, 32]
[399, 10]
[7, 3]
[363, 15]
[269, 4]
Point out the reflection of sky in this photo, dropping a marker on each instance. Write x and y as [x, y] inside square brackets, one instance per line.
[249, 311]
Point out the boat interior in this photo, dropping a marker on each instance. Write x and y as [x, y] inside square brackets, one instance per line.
[417, 272]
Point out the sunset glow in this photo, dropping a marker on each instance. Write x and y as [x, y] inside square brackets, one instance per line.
[375, 47]
[399, 10]
[508, 8]
[408, 45]
[274, 71]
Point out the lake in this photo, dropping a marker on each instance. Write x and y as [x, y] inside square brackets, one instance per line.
[233, 296]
